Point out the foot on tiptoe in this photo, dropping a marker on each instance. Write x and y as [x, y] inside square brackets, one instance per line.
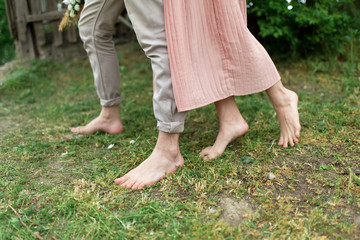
[229, 131]
[288, 116]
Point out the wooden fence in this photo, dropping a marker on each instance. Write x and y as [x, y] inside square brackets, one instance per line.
[34, 25]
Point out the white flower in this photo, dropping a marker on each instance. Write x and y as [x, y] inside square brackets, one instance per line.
[212, 210]
[72, 14]
[111, 146]
[132, 141]
[70, 7]
[270, 176]
[77, 7]
[72, 2]
[65, 153]
[288, 1]
[290, 7]
[66, 2]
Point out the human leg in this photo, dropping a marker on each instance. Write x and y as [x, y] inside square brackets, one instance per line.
[147, 17]
[232, 126]
[96, 26]
[285, 103]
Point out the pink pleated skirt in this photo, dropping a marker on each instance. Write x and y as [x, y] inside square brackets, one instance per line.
[212, 53]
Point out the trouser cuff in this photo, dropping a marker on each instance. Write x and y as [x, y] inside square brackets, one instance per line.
[110, 102]
[171, 127]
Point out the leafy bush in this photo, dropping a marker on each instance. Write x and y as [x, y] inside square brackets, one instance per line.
[299, 27]
[7, 46]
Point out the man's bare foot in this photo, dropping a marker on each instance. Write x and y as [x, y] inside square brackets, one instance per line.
[165, 159]
[232, 126]
[108, 121]
[285, 103]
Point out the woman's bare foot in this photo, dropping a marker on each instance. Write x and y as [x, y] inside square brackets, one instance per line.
[226, 135]
[165, 159]
[232, 126]
[285, 103]
[108, 121]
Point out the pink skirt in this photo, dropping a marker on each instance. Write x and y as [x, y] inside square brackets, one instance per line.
[213, 55]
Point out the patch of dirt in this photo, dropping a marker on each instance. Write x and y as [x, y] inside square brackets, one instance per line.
[309, 182]
[357, 220]
[235, 211]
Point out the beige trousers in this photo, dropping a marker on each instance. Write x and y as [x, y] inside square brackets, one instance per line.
[96, 27]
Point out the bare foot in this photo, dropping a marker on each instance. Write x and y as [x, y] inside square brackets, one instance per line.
[285, 103]
[288, 117]
[228, 133]
[108, 121]
[232, 126]
[165, 159]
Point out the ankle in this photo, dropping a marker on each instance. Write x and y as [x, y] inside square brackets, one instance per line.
[280, 97]
[168, 143]
[109, 113]
[231, 121]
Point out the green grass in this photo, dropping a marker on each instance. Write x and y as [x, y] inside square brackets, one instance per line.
[73, 196]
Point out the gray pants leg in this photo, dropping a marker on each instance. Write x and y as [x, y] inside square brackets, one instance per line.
[147, 17]
[96, 26]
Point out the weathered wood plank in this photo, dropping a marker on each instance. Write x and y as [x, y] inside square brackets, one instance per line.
[72, 34]
[48, 16]
[39, 33]
[9, 6]
[21, 12]
[58, 36]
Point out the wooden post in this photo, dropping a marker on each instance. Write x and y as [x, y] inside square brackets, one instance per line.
[29, 21]
[25, 45]
[58, 36]
[72, 34]
[9, 6]
[35, 9]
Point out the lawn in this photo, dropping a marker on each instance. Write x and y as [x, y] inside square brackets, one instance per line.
[61, 185]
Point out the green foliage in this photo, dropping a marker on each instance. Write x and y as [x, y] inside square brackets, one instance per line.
[7, 46]
[296, 28]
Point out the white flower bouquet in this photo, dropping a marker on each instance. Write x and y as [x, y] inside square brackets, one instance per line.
[72, 14]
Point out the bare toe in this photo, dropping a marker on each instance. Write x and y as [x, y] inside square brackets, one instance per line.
[291, 142]
[136, 185]
[206, 151]
[75, 130]
[281, 141]
[121, 180]
[130, 184]
[285, 144]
